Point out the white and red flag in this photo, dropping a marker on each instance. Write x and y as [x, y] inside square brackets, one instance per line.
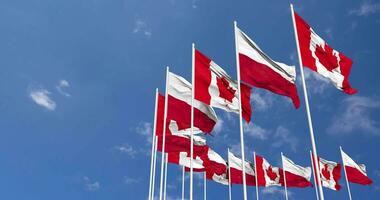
[296, 176]
[330, 173]
[216, 167]
[183, 159]
[236, 170]
[214, 87]
[267, 175]
[318, 56]
[259, 70]
[356, 173]
[179, 106]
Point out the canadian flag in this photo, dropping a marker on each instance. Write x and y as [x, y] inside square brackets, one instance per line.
[183, 159]
[179, 106]
[216, 167]
[236, 170]
[177, 143]
[259, 70]
[267, 175]
[356, 173]
[214, 87]
[320, 57]
[295, 175]
[330, 173]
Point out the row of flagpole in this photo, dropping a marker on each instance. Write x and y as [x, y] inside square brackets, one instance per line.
[163, 175]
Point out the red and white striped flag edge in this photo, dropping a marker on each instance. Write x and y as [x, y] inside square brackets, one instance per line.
[356, 173]
[296, 176]
[259, 70]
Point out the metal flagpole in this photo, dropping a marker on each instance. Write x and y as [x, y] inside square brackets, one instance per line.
[154, 166]
[183, 182]
[283, 171]
[192, 120]
[257, 182]
[153, 146]
[229, 175]
[204, 186]
[307, 106]
[345, 173]
[164, 133]
[166, 174]
[240, 113]
[315, 181]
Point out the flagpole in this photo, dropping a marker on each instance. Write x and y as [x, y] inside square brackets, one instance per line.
[307, 105]
[240, 114]
[257, 183]
[192, 120]
[154, 166]
[315, 181]
[166, 174]
[204, 186]
[164, 133]
[153, 146]
[345, 173]
[229, 175]
[283, 171]
[183, 182]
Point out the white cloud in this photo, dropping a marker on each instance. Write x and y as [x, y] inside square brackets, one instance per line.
[283, 137]
[141, 27]
[356, 116]
[256, 131]
[145, 129]
[328, 32]
[315, 83]
[41, 97]
[127, 149]
[62, 84]
[262, 100]
[366, 8]
[194, 4]
[91, 185]
[275, 191]
[218, 126]
[129, 180]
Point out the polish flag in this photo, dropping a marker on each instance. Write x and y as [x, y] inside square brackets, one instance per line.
[267, 175]
[214, 87]
[236, 170]
[259, 70]
[179, 106]
[296, 176]
[330, 174]
[320, 57]
[356, 173]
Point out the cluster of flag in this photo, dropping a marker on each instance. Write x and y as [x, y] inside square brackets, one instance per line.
[186, 111]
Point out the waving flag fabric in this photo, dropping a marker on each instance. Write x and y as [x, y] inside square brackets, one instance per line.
[175, 143]
[236, 169]
[216, 167]
[296, 176]
[320, 57]
[214, 87]
[356, 173]
[267, 175]
[330, 173]
[259, 70]
[183, 159]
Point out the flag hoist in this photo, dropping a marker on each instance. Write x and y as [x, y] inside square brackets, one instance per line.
[192, 119]
[163, 135]
[154, 150]
[314, 148]
[240, 113]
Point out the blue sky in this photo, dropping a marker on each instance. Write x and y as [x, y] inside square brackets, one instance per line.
[78, 78]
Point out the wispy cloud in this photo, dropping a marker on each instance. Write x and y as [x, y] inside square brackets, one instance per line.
[141, 27]
[355, 115]
[130, 180]
[275, 191]
[194, 4]
[62, 85]
[256, 131]
[366, 8]
[218, 126]
[42, 98]
[262, 100]
[145, 129]
[283, 137]
[91, 185]
[316, 84]
[127, 149]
